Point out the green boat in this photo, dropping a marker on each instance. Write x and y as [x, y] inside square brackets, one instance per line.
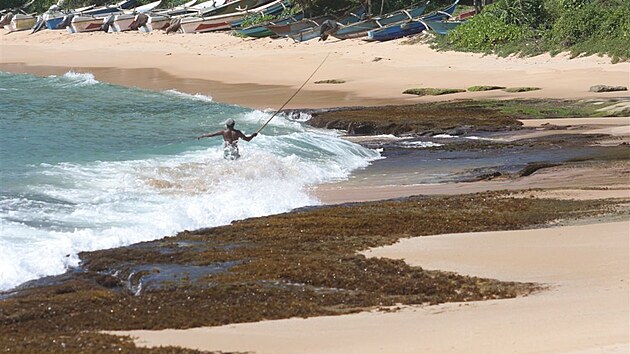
[261, 30]
[284, 30]
[359, 14]
[443, 27]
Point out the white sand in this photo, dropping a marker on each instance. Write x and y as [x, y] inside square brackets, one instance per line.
[232, 60]
[585, 311]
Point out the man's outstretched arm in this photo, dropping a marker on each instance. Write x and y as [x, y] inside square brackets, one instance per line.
[220, 132]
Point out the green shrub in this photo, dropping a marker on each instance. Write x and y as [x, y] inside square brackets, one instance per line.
[531, 27]
[483, 33]
[529, 13]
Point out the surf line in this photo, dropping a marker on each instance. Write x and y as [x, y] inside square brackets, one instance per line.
[295, 94]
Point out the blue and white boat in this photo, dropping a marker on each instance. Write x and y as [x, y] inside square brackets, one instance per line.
[261, 30]
[359, 14]
[443, 27]
[411, 27]
[360, 29]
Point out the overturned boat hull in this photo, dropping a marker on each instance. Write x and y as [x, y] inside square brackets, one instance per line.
[81, 24]
[21, 22]
[410, 27]
[156, 23]
[199, 24]
[360, 29]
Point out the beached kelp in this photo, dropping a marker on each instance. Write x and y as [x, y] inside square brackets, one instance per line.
[459, 115]
[484, 88]
[414, 119]
[521, 89]
[429, 91]
[330, 81]
[304, 263]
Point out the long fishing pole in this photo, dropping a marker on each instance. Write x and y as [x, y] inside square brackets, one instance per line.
[290, 98]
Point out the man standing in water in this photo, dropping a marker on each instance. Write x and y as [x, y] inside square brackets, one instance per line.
[230, 139]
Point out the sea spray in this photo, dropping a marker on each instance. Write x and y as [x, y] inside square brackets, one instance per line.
[87, 165]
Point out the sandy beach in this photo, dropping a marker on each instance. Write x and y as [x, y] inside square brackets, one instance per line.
[264, 73]
[584, 307]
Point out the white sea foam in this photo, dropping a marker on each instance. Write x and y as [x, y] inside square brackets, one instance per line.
[420, 144]
[80, 79]
[482, 138]
[196, 97]
[444, 136]
[99, 205]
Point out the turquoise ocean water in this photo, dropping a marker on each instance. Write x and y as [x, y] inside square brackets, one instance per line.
[86, 165]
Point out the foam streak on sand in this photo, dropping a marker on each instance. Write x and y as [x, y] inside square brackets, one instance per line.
[585, 309]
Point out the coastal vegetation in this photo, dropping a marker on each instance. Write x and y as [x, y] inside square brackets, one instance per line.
[300, 264]
[530, 27]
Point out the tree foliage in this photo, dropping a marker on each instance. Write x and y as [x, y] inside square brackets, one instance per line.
[582, 27]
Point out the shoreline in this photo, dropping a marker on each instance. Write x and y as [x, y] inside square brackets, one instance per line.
[375, 73]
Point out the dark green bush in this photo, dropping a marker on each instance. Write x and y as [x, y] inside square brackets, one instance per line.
[483, 33]
[530, 27]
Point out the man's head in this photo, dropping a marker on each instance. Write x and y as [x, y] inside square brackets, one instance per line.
[230, 123]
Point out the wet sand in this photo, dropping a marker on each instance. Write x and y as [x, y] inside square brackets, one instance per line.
[395, 181]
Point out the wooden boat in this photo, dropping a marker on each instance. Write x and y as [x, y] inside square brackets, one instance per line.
[81, 23]
[122, 22]
[408, 28]
[95, 19]
[55, 16]
[261, 30]
[274, 10]
[360, 29]
[5, 19]
[200, 24]
[156, 22]
[285, 30]
[466, 15]
[234, 6]
[349, 18]
[103, 11]
[20, 22]
[442, 27]
[160, 20]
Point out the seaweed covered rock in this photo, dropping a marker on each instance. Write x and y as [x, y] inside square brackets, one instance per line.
[419, 119]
